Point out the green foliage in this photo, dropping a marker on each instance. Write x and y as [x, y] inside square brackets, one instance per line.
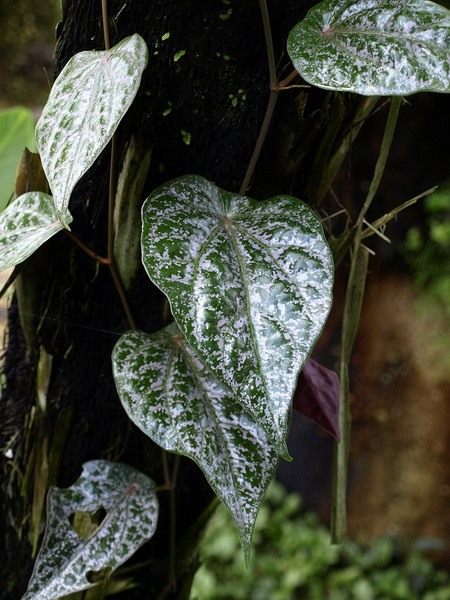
[293, 559]
[16, 133]
[427, 248]
[374, 47]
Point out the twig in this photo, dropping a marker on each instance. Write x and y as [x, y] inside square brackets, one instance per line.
[364, 110]
[273, 97]
[100, 259]
[105, 19]
[352, 310]
[173, 525]
[122, 295]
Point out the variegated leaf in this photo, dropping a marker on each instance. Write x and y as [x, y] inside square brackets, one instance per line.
[169, 394]
[374, 47]
[87, 102]
[249, 284]
[25, 225]
[66, 558]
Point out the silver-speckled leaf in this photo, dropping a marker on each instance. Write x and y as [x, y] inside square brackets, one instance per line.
[65, 558]
[25, 225]
[169, 394]
[87, 102]
[249, 284]
[374, 47]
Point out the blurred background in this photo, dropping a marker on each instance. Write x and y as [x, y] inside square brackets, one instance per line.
[399, 517]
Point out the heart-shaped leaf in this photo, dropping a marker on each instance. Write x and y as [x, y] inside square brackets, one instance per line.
[169, 394]
[66, 558]
[249, 284]
[16, 133]
[25, 225]
[86, 104]
[317, 396]
[374, 47]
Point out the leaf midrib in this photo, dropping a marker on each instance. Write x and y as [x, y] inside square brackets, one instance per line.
[198, 379]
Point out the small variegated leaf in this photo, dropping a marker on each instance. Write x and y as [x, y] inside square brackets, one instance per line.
[169, 394]
[374, 47]
[249, 284]
[25, 225]
[86, 104]
[66, 557]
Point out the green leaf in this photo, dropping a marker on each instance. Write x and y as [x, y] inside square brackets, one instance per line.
[87, 102]
[249, 284]
[69, 560]
[169, 394]
[16, 133]
[374, 47]
[25, 225]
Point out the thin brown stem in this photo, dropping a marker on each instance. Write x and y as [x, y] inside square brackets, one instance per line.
[273, 97]
[287, 80]
[105, 19]
[111, 198]
[173, 525]
[269, 43]
[260, 141]
[122, 295]
[100, 259]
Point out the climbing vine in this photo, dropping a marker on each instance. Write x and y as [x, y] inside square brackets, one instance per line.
[248, 282]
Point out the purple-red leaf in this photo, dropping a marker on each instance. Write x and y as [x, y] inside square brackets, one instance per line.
[317, 396]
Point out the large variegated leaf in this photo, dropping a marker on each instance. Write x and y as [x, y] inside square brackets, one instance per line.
[25, 225]
[67, 561]
[249, 284]
[168, 393]
[374, 47]
[87, 102]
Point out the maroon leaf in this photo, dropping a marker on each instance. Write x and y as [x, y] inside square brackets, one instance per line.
[317, 396]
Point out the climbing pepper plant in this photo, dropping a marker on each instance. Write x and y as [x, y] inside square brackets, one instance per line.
[248, 282]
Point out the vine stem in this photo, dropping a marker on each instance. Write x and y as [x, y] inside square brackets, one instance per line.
[363, 112]
[111, 262]
[173, 524]
[105, 19]
[101, 259]
[271, 104]
[169, 479]
[352, 311]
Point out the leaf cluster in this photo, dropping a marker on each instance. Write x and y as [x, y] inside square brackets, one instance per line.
[249, 283]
